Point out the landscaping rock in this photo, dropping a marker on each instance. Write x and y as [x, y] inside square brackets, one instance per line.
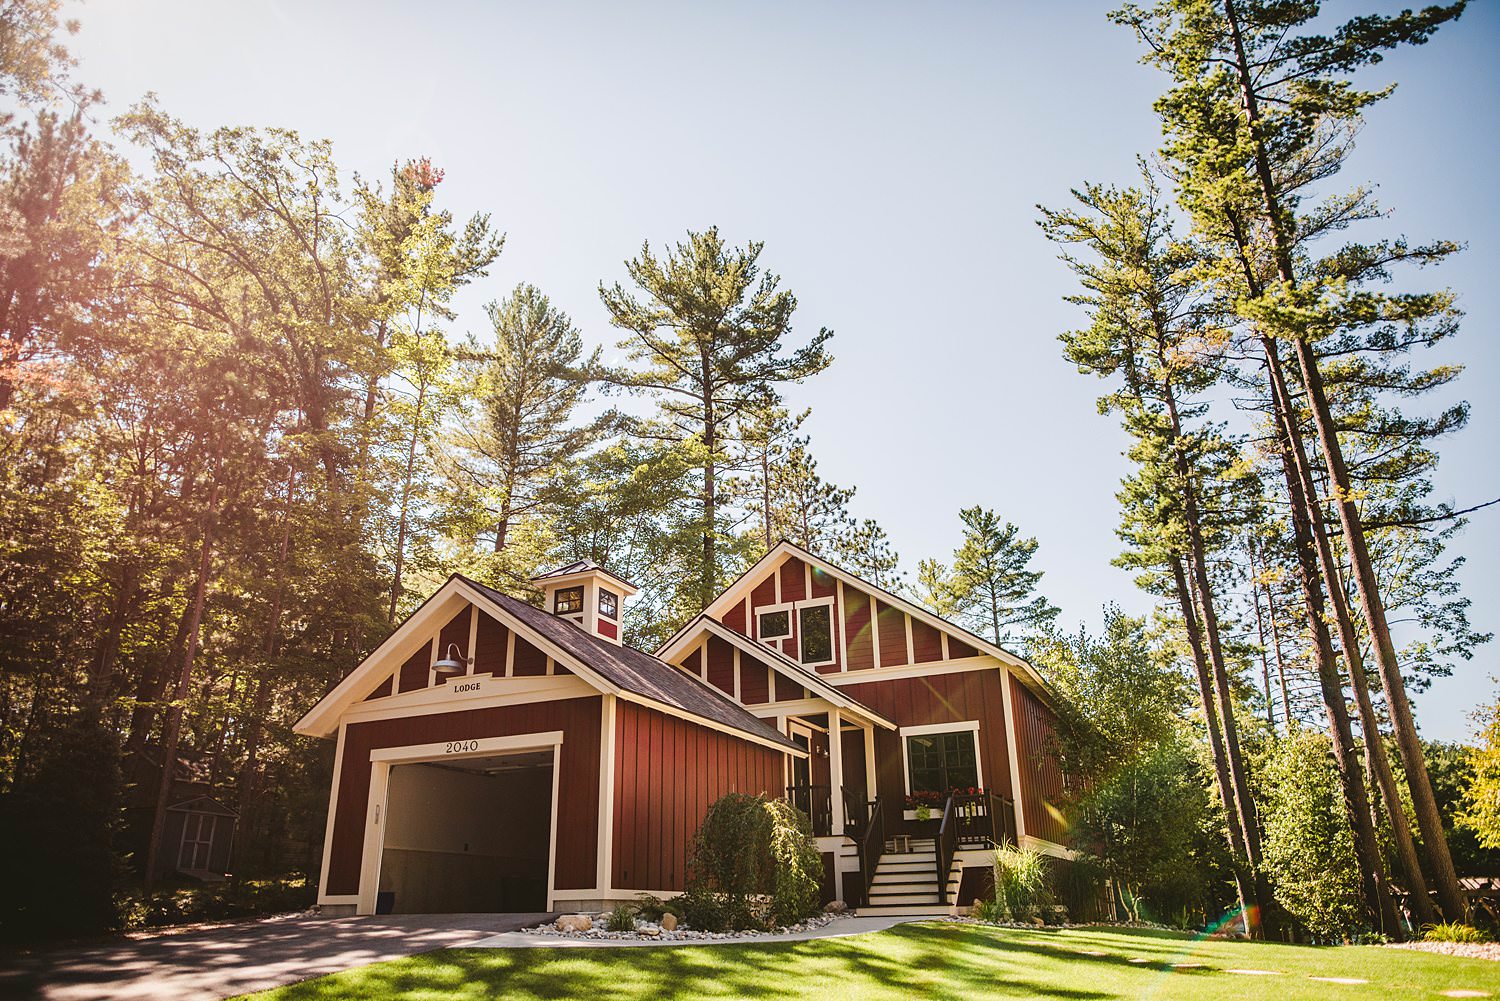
[669, 922]
[574, 923]
[836, 907]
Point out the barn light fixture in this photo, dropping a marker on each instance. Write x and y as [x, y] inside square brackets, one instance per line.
[453, 663]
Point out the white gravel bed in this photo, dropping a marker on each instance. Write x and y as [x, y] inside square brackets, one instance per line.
[654, 932]
[1471, 950]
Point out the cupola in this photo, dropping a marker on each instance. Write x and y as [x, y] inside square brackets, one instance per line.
[587, 594]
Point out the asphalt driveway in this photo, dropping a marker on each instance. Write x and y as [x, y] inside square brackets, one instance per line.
[206, 964]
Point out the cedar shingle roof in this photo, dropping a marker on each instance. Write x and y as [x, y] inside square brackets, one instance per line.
[637, 672]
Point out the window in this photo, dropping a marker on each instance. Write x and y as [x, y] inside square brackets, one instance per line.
[609, 604]
[816, 622]
[775, 625]
[940, 762]
[568, 599]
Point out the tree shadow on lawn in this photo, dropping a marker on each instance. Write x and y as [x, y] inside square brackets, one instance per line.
[904, 962]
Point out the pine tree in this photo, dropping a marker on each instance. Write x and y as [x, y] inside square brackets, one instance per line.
[706, 340]
[990, 587]
[1258, 103]
[515, 430]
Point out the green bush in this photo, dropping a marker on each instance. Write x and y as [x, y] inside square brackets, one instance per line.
[215, 902]
[1309, 851]
[653, 908]
[753, 864]
[702, 910]
[622, 918]
[1453, 931]
[1020, 884]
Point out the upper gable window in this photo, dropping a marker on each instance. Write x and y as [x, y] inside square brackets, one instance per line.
[609, 604]
[775, 625]
[815, 624]
[567, 600]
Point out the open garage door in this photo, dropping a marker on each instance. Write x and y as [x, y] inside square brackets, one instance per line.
[467, 835]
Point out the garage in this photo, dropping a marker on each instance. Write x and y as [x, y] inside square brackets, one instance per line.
[467, 834]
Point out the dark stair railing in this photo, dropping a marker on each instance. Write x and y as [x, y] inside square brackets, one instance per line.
[817, 803]
[947, 844]
[871, 844]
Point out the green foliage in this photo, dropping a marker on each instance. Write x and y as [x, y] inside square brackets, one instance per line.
[653, 908]
[1021, 885]
[215, 902]
[990, 587]
[1452, 931]
[622, 918]
[705, 337]
[1480, 814]
[1309, 850]
[753, 864]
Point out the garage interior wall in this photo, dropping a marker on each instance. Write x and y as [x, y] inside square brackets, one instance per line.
[463, 841]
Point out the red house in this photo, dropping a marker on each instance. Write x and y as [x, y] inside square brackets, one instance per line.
[493, 756]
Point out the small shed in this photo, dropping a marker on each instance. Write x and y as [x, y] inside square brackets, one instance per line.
[198, 838]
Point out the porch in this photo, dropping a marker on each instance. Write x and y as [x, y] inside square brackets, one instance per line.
[895, 860]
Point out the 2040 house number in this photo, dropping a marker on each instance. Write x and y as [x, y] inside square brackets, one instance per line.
[460, 746]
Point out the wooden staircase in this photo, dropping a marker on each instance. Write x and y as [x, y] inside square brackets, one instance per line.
[906, 882]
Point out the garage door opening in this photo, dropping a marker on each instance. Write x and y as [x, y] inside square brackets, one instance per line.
[469, 835]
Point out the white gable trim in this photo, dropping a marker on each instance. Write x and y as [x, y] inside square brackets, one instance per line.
[433, 614]
[808, 679]
[783, 550]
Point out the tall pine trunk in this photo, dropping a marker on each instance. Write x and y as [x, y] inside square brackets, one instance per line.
[1346, 759]
[1429, 820]
[1250, 903]
[1244, 801]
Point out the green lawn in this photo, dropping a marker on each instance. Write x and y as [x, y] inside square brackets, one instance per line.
[937, 960]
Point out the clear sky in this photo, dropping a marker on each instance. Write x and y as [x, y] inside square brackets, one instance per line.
[890, 157]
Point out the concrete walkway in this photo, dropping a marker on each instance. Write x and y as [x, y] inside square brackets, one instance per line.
[834, 929]
[206, 964]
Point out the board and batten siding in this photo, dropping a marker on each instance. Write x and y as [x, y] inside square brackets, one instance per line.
[1041, 773]
[577, 781]
[667, 773]
[937, 698]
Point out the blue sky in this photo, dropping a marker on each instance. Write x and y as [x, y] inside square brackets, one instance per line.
[890, 156]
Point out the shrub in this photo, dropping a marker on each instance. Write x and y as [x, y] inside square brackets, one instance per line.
[753, 862]
[622, 918]
[1453, 931]
[1020, 882]
[702, 910]
[653, 908]
[1309, 851]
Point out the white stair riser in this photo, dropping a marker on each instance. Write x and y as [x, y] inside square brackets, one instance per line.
[905, 899]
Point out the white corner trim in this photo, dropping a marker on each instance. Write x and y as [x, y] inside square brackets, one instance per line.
[333, 803]
[605, 861]
[1008, 704]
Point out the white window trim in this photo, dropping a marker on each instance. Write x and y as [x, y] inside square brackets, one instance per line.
[971, 726]
[786, 607]
[833, 647]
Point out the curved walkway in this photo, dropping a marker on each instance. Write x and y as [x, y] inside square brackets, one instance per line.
[856, 925]
[209, 963]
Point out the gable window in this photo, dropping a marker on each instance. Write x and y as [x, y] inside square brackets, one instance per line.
[776, 625]
[939, 762]
[568, 599]
[816, 628]
[609, 604]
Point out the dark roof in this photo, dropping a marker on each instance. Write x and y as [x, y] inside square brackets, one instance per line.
[637, 672]
[580, 566]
